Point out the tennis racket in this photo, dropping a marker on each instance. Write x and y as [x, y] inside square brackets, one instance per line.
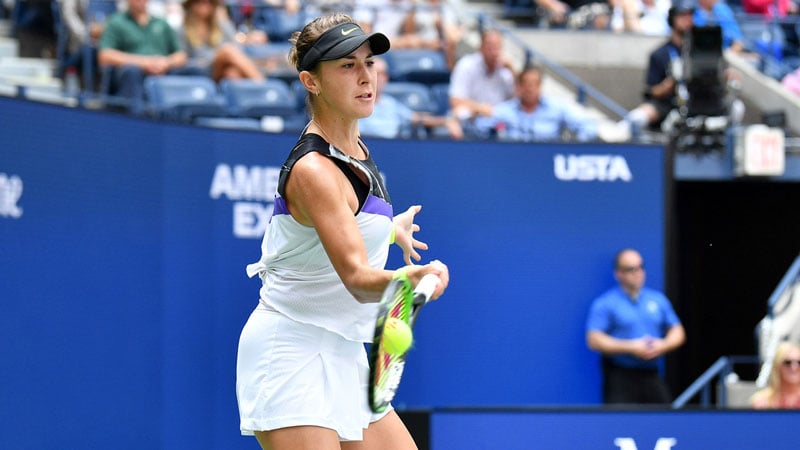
[401, 302]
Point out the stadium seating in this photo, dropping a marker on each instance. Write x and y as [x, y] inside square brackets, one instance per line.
[522, 11]
[777, 55]
[271, 101]
[766, 40]
[418, 65]
[273, 56]
[268, 50]
[277, 22]
[440, 93]
[300, 94]
[230, 123]
[247, 98]
[183, 98]
[416, 96]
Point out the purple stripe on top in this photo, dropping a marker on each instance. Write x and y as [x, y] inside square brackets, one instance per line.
[376, 205]
[280, 207]
[373, 205]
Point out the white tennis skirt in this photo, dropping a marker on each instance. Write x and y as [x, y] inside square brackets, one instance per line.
[290, 374]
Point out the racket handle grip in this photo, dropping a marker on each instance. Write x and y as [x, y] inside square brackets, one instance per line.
[427, 285]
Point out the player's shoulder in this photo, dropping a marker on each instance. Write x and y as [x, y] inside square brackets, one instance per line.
[313, 160]
[311, 153]
[306, 144]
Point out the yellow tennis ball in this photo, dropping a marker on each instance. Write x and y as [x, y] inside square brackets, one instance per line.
[397, 336]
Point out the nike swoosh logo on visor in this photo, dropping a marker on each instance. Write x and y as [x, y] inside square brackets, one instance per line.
[346, 32]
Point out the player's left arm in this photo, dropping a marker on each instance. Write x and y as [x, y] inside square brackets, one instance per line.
[319, 195]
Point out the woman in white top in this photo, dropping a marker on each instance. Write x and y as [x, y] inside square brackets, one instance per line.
[302, 367]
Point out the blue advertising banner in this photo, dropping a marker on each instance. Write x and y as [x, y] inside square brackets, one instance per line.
[610, 429]
[123, 244]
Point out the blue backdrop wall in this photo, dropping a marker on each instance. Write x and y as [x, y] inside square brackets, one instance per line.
[123, 244]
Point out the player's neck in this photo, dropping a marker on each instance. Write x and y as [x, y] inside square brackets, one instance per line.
[343, 138]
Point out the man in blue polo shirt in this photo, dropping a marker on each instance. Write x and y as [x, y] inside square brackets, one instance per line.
[633, 327]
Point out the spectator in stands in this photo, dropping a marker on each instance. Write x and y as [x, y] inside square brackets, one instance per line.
[785, 10]
[290, 6]
[169, 10]
[392, 119]
[661, 82]
[531, 116]
[316, 7]
[481, 80]
[137, 45]
[210, 42]
[34, 28]
[633, 327]
[276, 18]
[666, 89]
[770, 8]
[717, 12]
[383, 16]
[580, 14]
[791, 81]
[619, 15]
[652, 18]
[783, 390]
[432, 24]
[83, 32]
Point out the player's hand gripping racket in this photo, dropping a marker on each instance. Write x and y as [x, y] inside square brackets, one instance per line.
[401, 302]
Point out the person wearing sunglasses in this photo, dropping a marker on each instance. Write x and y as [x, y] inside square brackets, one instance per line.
[783, 389]
[633, 327]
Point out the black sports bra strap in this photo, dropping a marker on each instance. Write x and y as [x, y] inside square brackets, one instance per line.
[311, 142]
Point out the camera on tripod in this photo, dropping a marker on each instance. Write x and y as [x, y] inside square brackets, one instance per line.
[702, 117]
[704, 72]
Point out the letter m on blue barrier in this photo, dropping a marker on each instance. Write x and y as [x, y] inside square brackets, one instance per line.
[626, 443]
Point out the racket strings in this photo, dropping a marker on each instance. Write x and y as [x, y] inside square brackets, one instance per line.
[390, 379]
[401, 304]
[387, 369]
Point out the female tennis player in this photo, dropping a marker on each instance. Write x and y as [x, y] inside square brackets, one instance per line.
[302, 369]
